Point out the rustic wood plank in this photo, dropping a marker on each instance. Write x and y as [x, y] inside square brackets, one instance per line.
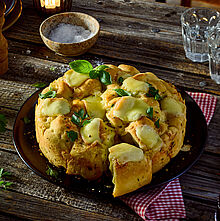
[121, 36]
[27, 207]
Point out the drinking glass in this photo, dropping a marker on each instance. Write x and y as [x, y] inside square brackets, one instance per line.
[196, 24]
[214, 53]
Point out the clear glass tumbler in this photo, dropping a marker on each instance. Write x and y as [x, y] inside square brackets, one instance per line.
[214, 53]
[196, 24]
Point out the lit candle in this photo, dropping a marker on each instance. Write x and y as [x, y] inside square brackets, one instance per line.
[50, 4]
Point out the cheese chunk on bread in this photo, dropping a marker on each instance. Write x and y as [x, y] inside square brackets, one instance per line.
[130, 168]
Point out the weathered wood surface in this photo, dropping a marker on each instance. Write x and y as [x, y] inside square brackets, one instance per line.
[129, 34]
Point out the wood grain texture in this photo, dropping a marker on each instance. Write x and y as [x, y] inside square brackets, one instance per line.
[136, 32]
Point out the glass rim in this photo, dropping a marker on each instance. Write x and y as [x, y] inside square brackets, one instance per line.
[198, 9]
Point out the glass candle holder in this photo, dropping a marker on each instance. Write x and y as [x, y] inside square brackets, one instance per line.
[49, 7]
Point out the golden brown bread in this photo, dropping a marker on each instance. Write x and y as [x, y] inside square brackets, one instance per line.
[151, 118]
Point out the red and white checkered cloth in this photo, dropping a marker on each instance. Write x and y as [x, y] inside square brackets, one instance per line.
[166, 202]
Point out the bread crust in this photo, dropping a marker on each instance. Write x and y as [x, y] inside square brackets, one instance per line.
[165, 126]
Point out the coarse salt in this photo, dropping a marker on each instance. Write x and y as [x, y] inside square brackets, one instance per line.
[67, 33]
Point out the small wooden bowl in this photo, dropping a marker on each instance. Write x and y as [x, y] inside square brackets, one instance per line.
[74, 18]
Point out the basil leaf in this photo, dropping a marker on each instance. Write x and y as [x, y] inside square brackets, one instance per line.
[52, 172]
[120, 80]
[26, 120]
[3, 123]
[150, 112]
[49, 94]
[93, 74]
[81, 113]
[153, 92]
[7, 183]
[122, 92]
[39, 85]
[75, 119]
[72, 135]
[157, 123]
[1, 172]
[101, 67]
[86, 122]
[105, 77]
[157, 97]
[81, 66]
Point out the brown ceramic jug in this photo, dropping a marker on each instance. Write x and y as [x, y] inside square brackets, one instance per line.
[3, 42]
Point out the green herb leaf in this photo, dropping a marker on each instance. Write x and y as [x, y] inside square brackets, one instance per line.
[3, 123]
[157, 97]
[81, 66]
[52, 172]
[26, 120]
[5, 184]
[105, 77]
[120, 80]
[86, 122]
[52, 68]
[153, 92]
[81, 113]
[150, 112]
[72, 135]
[49, 94]
[93, 74]
[122, 92]
[3, 174]
[75, 119]
[39, 85]
[157, 123]
[101, 67]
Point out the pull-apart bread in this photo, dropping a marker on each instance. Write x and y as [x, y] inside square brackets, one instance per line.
[111, 118]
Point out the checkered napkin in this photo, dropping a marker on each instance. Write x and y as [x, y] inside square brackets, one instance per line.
[166, 202]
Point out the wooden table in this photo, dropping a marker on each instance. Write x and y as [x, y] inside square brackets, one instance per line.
[136, 32]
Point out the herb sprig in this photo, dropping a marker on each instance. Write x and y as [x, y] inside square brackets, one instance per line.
[85, 67]
[4, 183]
[122, 92]
[72, 135]
[3, 122]
[39, 85]
[49, 94]
[78, 118]
[53, 173]
[153, 92]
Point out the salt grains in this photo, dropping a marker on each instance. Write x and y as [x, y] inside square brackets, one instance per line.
[67, 33]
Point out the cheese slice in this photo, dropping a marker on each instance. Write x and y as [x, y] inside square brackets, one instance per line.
[74, 79]
[172, 106]
[54, 107]
[90, 132]
[148, 136]
[94, 107]
[130, 108]
[134, 86]
[125, 152]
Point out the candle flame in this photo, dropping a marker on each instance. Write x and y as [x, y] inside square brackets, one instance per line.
[50, 4]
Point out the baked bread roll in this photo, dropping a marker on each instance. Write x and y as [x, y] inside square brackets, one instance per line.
[130, 168]
[87, 122]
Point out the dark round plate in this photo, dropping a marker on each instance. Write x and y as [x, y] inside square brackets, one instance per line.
[28, 149]
[10, 4]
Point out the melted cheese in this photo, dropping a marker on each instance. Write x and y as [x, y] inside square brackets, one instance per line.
[130, 108]
[94, 107]
[125, 152]
[55, 107]
[172, 106]
[74, 79]
[134, 86]
[148, 136]
[90, 132]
